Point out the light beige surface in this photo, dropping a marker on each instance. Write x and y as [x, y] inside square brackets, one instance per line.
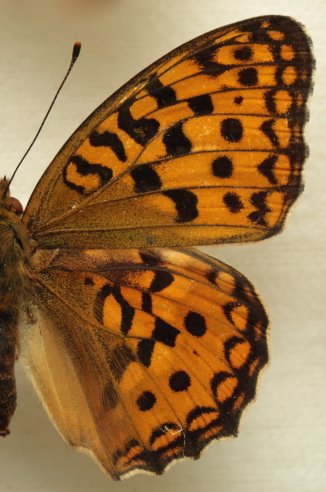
[282, 445]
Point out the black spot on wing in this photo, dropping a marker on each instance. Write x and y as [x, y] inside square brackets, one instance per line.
[212, 275]
[238, 100]
[149, 259]
[161, 281]
[146, 401]
[206, 61]
[141, 130]
[165, 333]
[222, 167]
[164, 95]
[89, 281]
[195, 324]
[201, 105]
[248, 77]
[266, 168]
[179, 381]
[85, 168]
[111, 140]
[146, 179]
[145, 351]
[175, 141]
[233, 202]
[243, 54]
[185, 203]
[231, 129]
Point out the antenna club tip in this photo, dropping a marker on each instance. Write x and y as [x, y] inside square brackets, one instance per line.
[76, 50]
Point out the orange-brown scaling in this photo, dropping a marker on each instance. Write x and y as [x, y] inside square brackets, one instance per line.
[143, 349]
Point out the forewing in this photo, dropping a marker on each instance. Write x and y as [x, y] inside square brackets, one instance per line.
[143, 357]
[203, 147]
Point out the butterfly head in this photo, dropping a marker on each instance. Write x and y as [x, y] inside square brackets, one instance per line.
[6, 201]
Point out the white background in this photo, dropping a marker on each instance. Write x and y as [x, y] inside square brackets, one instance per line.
[282, 442]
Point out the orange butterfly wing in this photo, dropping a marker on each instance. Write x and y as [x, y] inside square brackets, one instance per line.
[144, 356]
[203, 147]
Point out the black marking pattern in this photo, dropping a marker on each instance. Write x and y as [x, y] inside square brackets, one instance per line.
[206, 61]
[179, 381]
[229, 345]
[233, 202]
[219, 378]
[228, 308]
[85, 168]
[266, 168]
[165, 333]
[101, 297]
[146, 179]
[149, 259]
[146, 401]
[195, 324]
[243, 54]
[89, 281]
[163, 429]
[164, 95]
[201, 105]
[175, 141]
[248, 77]
[146, 302]
[238, 100]
[145, 351]
[267, 129]
[111, 140]
[259, 201]
[222, 167]
[141, 130]
[269, 97]
[185, 204]
[232, 129]
[161, 281]
[127, 311]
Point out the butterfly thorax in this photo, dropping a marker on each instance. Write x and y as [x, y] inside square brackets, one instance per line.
[14, 251]
[14, 258]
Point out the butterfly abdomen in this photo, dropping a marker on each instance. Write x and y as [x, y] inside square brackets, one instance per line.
[8, 338]
[13, 246]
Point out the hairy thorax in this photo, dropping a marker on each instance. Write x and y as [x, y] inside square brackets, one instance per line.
[14, 258]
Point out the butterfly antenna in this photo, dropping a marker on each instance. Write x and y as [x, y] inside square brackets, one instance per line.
[75, 54]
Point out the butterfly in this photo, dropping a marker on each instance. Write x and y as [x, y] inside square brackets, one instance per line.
[142, 349]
